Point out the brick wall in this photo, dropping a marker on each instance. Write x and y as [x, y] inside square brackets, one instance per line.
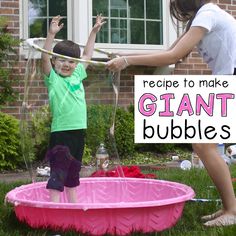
[192, 65]
[10, 9]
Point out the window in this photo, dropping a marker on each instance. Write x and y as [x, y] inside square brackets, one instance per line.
[131, 24]
[41, 13]
[130, 21]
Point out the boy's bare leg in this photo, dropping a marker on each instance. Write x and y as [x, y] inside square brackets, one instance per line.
[54, 195]
[220, 175]
[71, 194]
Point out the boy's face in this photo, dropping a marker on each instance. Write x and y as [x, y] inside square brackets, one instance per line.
[64, 67]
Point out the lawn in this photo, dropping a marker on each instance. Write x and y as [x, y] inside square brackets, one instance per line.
[189, 224]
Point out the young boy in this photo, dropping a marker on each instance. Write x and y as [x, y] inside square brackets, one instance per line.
[63, 79]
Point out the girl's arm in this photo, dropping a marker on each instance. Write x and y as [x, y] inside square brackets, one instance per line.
[54, 28]
[182, 47]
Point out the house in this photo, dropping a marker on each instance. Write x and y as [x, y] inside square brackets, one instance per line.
[132, 25]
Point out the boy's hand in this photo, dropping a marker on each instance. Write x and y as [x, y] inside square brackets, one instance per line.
[100, 21]
[55, 25]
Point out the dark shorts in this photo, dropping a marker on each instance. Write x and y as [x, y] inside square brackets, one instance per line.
[73, 139]
[65, 155]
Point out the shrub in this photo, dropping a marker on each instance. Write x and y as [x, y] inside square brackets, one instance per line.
[155, 147]
[87, 157]
[7, 48]
[41, 122]
[99, 122]
[124, 133]
[10, 152]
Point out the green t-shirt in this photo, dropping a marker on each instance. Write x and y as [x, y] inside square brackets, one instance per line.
[67, 100]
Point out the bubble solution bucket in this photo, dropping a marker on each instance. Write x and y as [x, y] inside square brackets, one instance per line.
[117, 206]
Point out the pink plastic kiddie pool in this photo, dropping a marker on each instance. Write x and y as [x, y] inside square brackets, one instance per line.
[117, 206]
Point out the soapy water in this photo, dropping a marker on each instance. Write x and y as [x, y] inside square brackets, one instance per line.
[103, 88]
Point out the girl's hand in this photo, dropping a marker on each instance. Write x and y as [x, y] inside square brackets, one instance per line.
[100, 21]
[55, 25]
[117, 64]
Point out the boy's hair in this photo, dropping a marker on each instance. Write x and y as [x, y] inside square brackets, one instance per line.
[185, 10]
[67, 48]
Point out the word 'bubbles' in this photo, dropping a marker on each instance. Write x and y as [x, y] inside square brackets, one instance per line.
[189, 109]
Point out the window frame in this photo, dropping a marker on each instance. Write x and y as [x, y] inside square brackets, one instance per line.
[169, 34]
[83, 20]
[24, 4]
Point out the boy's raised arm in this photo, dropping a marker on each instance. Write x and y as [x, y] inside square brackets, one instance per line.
[88, 50]
[54, 28]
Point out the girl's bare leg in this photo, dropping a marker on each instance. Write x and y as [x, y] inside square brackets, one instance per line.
[213, 216]
[220, 175]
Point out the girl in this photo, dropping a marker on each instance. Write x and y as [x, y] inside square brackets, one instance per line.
[213, 31]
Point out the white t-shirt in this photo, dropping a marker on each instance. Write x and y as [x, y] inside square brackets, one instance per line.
[218, 47]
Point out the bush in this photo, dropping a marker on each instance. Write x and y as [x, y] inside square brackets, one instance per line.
[124, 133]
[41, 123]
[7, 48]
[99, 122]
[10, 152]
[156, 147]
[87, 157]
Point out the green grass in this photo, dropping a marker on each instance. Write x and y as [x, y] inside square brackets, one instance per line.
[190, 223]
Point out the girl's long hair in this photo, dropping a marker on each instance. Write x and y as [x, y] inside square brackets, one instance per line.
[185, 10]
